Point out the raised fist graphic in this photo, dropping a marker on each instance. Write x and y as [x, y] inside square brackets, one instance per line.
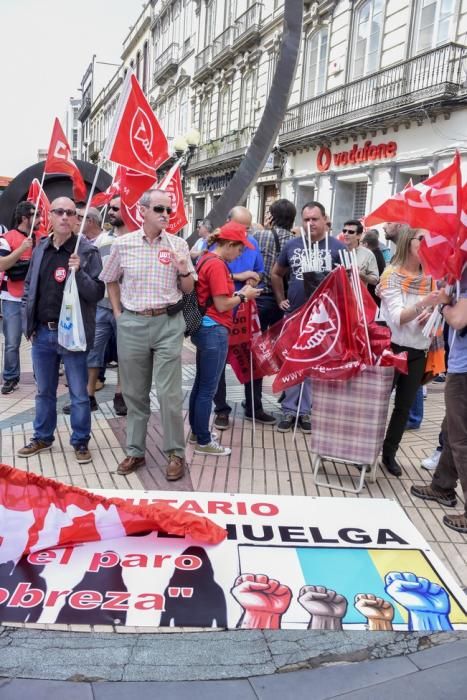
[326, 607]
[426, 602]
[264, 600]
[379, 612]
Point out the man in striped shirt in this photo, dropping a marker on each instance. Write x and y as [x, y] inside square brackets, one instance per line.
[146, 273]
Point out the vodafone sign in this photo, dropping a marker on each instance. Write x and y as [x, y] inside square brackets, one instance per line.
[357, 154]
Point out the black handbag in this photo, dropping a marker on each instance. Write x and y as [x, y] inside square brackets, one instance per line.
[193, 312]
[18, 271]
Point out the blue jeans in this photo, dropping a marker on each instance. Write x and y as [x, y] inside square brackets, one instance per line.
[212, 344]
[46, 354]
[292, 396]
[12, 330]
[105, 330]
[416, 411]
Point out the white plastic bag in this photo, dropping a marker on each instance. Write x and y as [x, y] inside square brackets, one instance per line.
[71, 333]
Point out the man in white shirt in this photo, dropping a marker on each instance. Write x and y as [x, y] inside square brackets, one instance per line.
[367, 265]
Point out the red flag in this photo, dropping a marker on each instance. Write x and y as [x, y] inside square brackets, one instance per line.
[37, 194]
[136, 139]
[112, 191]
[433, 204]
[239, 356]
[132, 186]
[178, 218]
[434, 252]
[321, 342]
[59, 160]
[458, 258]
[37, 513]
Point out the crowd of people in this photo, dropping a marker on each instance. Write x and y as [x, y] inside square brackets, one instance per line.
[132, 286]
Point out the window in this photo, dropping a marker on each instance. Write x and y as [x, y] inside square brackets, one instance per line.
[368, 31]
[247, 103]
[204, 117]
[433, 23]
[183, 112]
[359, 202]
[223, 112]
[171, 113]
[316, 50]
[210, 25]
[138, 65]
[145, 67]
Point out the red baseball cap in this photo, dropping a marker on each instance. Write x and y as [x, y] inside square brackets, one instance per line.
[233, 231]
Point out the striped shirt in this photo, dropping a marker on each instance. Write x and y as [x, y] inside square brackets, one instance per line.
[270, 251]
[148, 279]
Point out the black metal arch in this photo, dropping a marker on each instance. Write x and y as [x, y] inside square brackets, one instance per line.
[271, 121]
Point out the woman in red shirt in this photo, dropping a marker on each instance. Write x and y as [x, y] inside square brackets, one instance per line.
[216, 292]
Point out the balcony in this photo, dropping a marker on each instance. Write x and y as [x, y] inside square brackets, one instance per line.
[94, 149]
[222, 48]
[377, 100]
[246, 29]
[85, 108]
[226, 148]
[166, 64]
[203, 64]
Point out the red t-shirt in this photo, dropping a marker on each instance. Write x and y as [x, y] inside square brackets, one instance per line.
[214, 279]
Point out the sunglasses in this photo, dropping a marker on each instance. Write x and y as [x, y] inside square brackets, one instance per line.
[114, 208]
[348, 230]
[61, 212]
[418, 238]
[158, 209]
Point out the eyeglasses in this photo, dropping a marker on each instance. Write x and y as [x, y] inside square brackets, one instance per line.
[114, 208]
[61, 212]
[349, 230]
[418, 238]
[158, 209]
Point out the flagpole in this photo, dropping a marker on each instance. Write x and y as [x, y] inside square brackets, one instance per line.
[37, 204]
[298, 411]
[88, 204]
[166, 181]
[252, 392]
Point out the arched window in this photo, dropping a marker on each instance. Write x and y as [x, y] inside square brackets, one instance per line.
[315, 64]
[247, 100]
[223, 112]
[433, 25]
[183, 112]
[368, 31]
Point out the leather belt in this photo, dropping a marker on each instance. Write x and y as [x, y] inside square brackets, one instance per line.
[51, 325]
[149, 312]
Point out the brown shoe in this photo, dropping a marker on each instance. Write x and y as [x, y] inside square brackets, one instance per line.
[175, 468]
[33, 448]
[130, 464]
[82, 454]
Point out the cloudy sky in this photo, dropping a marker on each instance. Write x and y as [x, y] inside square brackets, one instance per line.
[46, 46]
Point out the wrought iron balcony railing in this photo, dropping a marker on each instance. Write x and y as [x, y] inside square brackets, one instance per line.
[222, 44]
[248, 22]
[430, 76]
[203, 59]
[167, 62]
[224, 147]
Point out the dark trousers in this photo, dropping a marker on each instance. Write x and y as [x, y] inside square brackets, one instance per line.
[406, 386]
[269, 313]
[452, 466]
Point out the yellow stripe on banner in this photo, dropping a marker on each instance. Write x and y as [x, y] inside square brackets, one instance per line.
[415, 562]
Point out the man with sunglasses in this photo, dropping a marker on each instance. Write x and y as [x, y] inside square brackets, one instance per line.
[366, 261]
[51, 262]
[15, 253]
[146, 273]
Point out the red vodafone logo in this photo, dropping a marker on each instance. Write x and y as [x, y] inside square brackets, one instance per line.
[165, 257]
[60, 274]
[323, 159]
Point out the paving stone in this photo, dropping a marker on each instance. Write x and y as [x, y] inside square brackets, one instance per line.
[207, 690]
[440, 654]
[19, 689]
[332, 681]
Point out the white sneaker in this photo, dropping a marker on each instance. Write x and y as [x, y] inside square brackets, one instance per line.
[431, 462]
[212, 448]
[425, 391]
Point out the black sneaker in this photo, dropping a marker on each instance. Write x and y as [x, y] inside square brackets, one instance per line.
[286, 423]
[9, 386]
[304, 422]
[92, 402]
[221, 421]
[120, 405]
[261, 417]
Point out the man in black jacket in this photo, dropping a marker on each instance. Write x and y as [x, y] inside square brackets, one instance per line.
[42, 300]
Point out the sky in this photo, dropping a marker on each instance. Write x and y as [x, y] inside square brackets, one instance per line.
[46, 46]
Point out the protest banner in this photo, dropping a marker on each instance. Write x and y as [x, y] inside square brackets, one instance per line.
[288, 562]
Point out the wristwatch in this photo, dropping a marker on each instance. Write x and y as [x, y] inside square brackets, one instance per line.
[241, 296]
[441, 308]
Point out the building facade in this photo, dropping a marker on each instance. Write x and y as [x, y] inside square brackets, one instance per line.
[379, 96]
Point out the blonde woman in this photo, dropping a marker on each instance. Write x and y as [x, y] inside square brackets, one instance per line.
[407, 298]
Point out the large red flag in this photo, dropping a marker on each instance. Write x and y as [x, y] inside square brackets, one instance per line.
[37, 194]
[136, 139]
[458, 258]
[178, 218]
[113, 190]
[132, 186]
[37, 513]
[245, 330]
[59, 160]
[433, 204]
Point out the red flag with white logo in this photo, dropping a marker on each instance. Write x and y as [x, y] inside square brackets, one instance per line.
[113, 190]
[132, 186]
[59, 160]
[38, 197]
[178, 218]
[458, 258]
[245, 330]
[433, 204]
[37, 513]
[136, 139]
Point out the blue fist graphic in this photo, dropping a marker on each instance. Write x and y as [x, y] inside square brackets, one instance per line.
[426, 602]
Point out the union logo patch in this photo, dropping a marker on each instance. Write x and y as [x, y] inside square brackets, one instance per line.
[60, 274]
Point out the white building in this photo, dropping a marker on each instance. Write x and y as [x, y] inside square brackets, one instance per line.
[72, 126]
[379, 95]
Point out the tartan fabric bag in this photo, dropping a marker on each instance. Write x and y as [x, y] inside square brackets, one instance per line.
[349, 417]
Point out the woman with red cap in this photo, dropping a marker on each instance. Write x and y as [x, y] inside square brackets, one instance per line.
[216, 293]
